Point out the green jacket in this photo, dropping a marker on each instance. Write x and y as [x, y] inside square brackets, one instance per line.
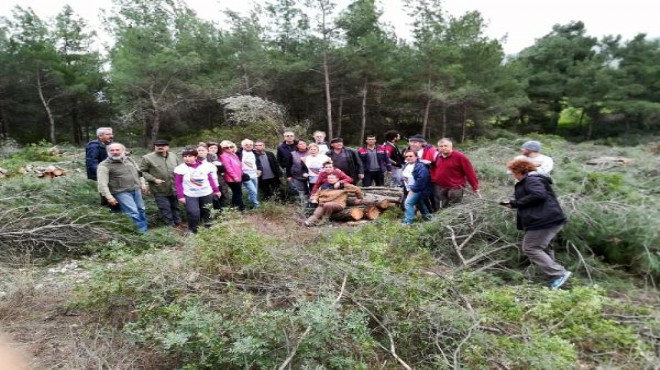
[155, 166]
[118, 176]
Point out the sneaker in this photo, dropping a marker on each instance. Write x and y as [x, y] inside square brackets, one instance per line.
[561, 280]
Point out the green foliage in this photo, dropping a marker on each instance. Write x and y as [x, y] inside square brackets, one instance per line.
[38, 152]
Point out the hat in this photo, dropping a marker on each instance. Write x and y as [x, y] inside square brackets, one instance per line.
[532, 145]
[419, 138]
[161, 142]
[336, 140]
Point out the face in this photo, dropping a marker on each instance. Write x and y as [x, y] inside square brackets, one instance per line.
[371, 140]
[116, 151]
[213, 149]
[332, 179]
[328, 168]
[314, 150]
[202, 151]
[106, 136]
[302, 146]
[517, 176]
[259, 147]
[337, 146]
[289, 137]
[410, 157]
[248, 146]
[161, 148]
[445, 147]
[319, 138]
[227, 149]
[415, 145]
[189, 159]
[524, 151]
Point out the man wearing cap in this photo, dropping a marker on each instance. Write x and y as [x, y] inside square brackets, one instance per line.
[425, 152]
[158, 169]
[346, 159]
[450, 173]
[531, 151]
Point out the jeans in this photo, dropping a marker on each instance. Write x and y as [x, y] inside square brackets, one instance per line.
[197, 209]
[252, 186]
[412, 200]
[168, 208]
[132, 205]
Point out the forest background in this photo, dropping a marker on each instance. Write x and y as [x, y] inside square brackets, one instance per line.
[169, 73]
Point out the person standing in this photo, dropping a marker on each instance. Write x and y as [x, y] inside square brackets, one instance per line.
[426, 153]
[122, 184]
[394, 155]
[233, 173]
[531, 151]
[450, 172]
[269, 181]
[213, 157]
[296, 171]
[96, 151]
[319, 139]
[540, 216]
[252, 168]
[417, 182]
[195, 187]
[285, 149]
[374, 161]
[346, 159]
[157, 168]
[314, 163]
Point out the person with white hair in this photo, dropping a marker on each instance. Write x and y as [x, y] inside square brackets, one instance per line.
[530, 150]
[319, 139]
[121, 183]
[252, 168]
[96, 152]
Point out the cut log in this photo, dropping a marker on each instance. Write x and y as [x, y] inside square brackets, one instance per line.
[348, 214]
[58, 172]
[50, 169]
[383, 204]
[371, 212]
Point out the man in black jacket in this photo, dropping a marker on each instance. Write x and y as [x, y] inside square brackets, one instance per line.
[285, 149]
[346, 159]
[95, 153]
[269, 180]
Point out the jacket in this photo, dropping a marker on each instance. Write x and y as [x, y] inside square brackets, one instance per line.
[381, 154]
[354, 163]
[339, 196]
[273, 164]
[284, 151]
[118, 176]
[422, 178]
[95, 153]
[233, 167]
[537, 204]
[296, 166]
[394, 154]
[154, 166]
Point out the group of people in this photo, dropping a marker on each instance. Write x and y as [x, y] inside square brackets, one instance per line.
[322, 174]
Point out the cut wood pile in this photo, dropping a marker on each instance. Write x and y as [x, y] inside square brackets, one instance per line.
[45, 172]
[611, 161]
[376, 200]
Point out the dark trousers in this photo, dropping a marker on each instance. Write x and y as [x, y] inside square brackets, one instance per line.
[198, 209]
[168, 209]
[371, 177]
[236, 195]
[269, 187]
[445, 197]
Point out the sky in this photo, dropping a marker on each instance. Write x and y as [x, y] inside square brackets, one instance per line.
[518, 23]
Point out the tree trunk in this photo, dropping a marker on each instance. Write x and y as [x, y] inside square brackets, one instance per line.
[155, 123]
[348, 214]
[328, 99]
[465, 113]
[340, 112]
[49, 113]
[75, 125]
[365, 87]
[427, 110]
[444, 119]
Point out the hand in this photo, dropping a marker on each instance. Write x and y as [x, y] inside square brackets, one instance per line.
[337, 185]
[361, 176]
[289, 179]
[182, 200]
[313, 200]
[217, 194]
[505, 203]
[259, 173]
[305, 175]
[113, 202]
[389, 173]
[159, 181]
[144, 189]
[358, 201]
[478, 193]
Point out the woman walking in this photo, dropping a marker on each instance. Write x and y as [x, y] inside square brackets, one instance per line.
[540, 216]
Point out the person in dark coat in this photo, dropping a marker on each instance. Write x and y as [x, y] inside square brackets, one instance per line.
[285, 149]
[96, 152]
[346, 159]
[417, 180]
[269, 181]
[540, 216]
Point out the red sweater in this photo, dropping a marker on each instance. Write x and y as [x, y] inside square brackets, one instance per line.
[323, 178]
[453, 171]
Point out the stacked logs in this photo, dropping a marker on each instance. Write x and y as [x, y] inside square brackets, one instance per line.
[49, 172]
[376, 200]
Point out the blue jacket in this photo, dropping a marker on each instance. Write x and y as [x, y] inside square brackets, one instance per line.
[95, 153]
[422, 178]
[537, 204]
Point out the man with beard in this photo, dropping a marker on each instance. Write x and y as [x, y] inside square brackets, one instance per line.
[121, 183]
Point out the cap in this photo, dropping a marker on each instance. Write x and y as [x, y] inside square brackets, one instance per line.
[532, 145]
[336, 140]
[419, 138]
[161, 142]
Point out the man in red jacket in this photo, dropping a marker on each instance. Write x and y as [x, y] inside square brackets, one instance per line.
[450, 172]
